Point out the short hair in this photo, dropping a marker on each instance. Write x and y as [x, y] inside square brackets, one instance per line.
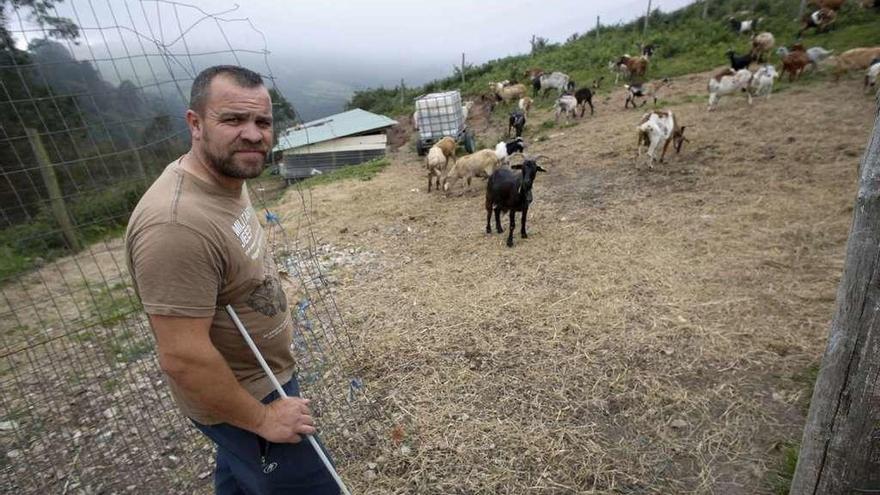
[198, 95]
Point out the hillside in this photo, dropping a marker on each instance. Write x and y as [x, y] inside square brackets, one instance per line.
[687, 44]
[658, 332]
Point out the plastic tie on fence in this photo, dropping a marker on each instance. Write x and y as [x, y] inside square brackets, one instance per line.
[272, 217]
[355, 385]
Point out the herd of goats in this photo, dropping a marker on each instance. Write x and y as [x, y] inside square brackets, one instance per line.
[509, 191]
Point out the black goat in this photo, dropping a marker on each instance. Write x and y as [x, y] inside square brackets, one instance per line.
[738, 62]
[536, 86]
[516, 121]
[584, 97]
[510, 191]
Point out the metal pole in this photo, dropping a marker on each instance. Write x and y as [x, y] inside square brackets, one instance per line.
[647, 14]
[282, 393]
[705, 8]
[597, 27]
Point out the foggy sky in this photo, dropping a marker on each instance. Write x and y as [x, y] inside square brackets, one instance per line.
[321, 51]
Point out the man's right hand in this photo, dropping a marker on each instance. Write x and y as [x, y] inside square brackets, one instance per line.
[286, 420]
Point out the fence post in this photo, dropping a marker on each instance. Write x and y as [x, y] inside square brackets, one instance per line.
[56, 199]
[597, 27]
[705, 8]
[647, 14]
[801, 9]
[402, 91]
[840, 449]
[462, 67]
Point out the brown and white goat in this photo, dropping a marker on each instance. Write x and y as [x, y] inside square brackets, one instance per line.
[762, 43]
[794, 62]
[656, 128]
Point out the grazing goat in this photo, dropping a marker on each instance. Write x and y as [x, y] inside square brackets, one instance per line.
[761, 45]
[738, 62]
[557, 80]
[635, 66]
[584, 97]
[506, 191]
[762, 81]
[816, 54]
[795, 62]
[533, 73]
[644, 90]
[656, 128]
[525, 104]
[478, 164]
[821, 20]
[871, 75]
[435, 163]
[854, 59]
[465, 110]
[743, 27]
[517, 122]
[647, 50]
[565, 104]
[508, 93]
[618, 70]
[728, 81]
[503, 150]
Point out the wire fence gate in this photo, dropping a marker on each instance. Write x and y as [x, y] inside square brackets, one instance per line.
[92, 99]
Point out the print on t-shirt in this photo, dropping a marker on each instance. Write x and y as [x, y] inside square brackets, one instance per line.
[268, 298]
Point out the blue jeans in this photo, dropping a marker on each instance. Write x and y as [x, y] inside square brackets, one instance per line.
[247, 464]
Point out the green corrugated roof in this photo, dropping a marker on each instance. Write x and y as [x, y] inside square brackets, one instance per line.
[342, 124]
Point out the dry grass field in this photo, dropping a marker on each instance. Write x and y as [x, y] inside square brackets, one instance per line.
[656, 332]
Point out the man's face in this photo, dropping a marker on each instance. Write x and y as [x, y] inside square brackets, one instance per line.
[235, 131]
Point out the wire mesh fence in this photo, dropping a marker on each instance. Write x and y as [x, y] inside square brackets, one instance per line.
[92, 99]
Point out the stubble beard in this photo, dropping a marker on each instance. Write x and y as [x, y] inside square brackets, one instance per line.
[225, 164]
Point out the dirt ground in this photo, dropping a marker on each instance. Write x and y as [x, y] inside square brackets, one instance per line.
[654, 334]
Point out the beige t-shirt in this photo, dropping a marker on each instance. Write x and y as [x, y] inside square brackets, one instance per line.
[194, 247]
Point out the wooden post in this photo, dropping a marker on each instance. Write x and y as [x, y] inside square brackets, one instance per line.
[647, 14]
[402, 91]
[705, 8]
[56, 199]
[533, 45]
[597, 27]
[840, 449]
[462, 68]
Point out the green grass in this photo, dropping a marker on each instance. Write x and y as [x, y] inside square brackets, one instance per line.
[687, 44]
[363, 171]
[780, 478]
[110, 305]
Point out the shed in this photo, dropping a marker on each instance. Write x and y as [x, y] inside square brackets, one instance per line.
[326, 144]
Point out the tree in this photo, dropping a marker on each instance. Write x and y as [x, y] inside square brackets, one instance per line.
[283, 113]
[840, 450]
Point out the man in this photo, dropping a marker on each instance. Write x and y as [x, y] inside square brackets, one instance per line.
[194, 245]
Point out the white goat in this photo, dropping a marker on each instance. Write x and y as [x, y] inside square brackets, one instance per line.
[478, 164]
[762, 82]
[871, 76]
[566, 104]
[465, 109]
[557, 80]
[435, 163]
[618, 69]
[656, 128]
[728, 82]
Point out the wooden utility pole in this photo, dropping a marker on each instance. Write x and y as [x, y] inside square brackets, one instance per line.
[597, 27]
[56, 199]
[840, 449]
[647, 14]
[462, 67]
[705, 9]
